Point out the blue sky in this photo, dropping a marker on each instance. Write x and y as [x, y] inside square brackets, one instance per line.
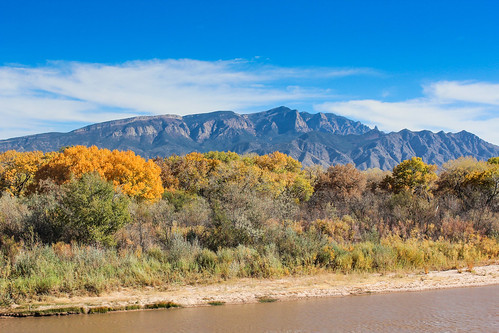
[395, 64]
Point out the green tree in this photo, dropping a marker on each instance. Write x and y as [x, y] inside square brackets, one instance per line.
[91, 211]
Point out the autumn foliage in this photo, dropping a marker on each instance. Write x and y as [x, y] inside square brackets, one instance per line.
[412, 175]
[87, 220]
[340, 182]
[17, 170]
[273, 173]
[234, 197]
[130, 173]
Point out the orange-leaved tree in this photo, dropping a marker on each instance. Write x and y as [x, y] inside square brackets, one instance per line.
[131, 173]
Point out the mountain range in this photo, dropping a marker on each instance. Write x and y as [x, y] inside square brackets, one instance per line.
[320, 138]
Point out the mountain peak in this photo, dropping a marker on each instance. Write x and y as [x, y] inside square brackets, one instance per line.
[322, 138]
[280, 109]
[212, 114]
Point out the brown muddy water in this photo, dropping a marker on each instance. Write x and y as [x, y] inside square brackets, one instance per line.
[450, 310]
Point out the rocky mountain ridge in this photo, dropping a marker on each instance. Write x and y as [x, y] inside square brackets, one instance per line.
[321, 138]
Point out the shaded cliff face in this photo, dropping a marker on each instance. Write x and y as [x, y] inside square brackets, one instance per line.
[311, 138]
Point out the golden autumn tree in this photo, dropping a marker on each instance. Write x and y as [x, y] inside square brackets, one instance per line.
[18, 169]
[283, 173]
[475, 182]
[222, 156]
[273, 173]
[493, 160]
[413, 175]
[485, 181]
[452, 179]
[134, 175]
[238, 172]
[188, 173]
[74, 162]
[276, 173]
[278, 162]
[169, 180]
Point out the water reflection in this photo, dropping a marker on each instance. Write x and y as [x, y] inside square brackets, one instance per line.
[452, 310]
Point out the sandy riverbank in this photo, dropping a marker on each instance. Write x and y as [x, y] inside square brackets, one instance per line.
[254, 290]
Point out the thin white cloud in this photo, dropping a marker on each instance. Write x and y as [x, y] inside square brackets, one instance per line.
[449, 106]
[78, 92]
[472, 92]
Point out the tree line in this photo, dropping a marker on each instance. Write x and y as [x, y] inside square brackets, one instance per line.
[204, 212]
[90, 190]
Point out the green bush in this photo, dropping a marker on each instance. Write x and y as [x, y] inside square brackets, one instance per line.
[207, 260]
[91, 211]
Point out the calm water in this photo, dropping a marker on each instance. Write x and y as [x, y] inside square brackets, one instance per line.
[453, 310]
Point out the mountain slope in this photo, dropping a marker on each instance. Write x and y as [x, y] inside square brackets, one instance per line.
[311, 138]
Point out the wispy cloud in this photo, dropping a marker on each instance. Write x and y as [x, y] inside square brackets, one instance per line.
[62, 95]
[456, 91]
[446, 105]
[86, 93]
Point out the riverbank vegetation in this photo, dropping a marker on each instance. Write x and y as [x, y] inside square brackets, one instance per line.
[88, 220]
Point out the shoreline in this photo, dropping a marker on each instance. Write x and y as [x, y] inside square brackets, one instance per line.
[248, 290]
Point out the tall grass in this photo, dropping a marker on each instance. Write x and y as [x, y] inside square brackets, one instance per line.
[87, 270]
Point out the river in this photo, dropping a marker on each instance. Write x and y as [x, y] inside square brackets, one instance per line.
[450, 310]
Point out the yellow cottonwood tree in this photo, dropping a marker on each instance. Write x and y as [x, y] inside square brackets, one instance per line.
[278, 162]
[189, 172]
[17, 170]
[486, 180]
[272, 173]
[414, 176]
